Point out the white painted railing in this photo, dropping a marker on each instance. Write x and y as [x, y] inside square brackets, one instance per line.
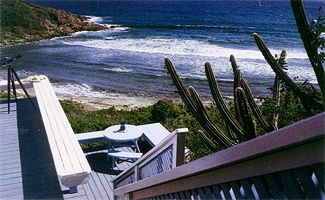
[165, 156]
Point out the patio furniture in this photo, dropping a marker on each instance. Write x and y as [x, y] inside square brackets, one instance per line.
[130, 135]
[118, 138]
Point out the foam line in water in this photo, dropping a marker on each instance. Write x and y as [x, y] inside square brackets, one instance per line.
[181, 47]
[82, 90]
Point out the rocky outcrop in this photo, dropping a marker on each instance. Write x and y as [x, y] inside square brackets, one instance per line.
[26, 22]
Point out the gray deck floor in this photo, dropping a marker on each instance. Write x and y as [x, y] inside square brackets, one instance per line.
[26, 166]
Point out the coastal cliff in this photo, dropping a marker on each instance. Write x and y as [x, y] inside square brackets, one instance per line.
[26, 22]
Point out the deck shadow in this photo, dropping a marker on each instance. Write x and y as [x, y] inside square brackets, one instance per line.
[101, 164]
[38, 172]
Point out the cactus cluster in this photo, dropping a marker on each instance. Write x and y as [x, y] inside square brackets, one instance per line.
[242, 126]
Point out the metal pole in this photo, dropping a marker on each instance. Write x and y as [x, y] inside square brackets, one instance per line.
[8, 87]
[22, 86]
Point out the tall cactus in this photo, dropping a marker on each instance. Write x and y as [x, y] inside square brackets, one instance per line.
[197, 109]
[277, 87]
[243, 130]
[244, 113]
[309, 39]
[229, 118]
[308, 103]
[255, 109]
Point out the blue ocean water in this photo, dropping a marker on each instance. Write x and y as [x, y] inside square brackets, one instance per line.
[128, 58]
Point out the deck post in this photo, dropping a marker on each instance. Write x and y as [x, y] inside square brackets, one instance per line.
[73, 189]
[180, 148]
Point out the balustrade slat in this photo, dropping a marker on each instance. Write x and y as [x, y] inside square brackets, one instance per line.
[260, 188]
[319, 173]
[194, 194]
[304, 175]
[274, 187]
[216, 192]
[236, 190]
[170, 196]
[225, 191]
[188, 195]
[290, 184]
[176, 196]
[208, 193]
[247, 189]
[201, 193]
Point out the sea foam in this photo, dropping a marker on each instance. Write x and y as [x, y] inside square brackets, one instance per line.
[81, 90]
[181, 47]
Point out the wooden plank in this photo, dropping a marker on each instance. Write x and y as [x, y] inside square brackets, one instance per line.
[11, 192]
[10, 164]
[81, 194]
[99, 185]
[75, 151]
[94, 189]
[12, 186]
[60, 133]
[89, 192]
[10, 179]
[90, 137]
[107, 185]
[71, 164]
[47, 124]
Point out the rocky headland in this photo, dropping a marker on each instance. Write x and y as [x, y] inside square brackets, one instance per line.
[25, 22]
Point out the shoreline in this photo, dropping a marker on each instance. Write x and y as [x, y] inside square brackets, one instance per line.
[121, 103]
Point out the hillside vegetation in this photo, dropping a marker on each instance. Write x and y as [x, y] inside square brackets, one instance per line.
[26, 22]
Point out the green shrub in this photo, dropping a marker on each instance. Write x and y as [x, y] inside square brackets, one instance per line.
[165, 109]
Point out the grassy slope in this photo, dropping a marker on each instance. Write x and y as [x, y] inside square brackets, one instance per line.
[25, 22]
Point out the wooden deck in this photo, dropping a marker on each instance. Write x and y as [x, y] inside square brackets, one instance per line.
[26, 165]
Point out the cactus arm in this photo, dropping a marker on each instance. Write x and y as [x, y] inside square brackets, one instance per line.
[277, 89]
[179, 85]
[255, 109]
[245, 115]
[229, 118]
[279, 71]
[211, 145]
[276, 99]
[240, 82]
[233, 63]
[196, 108]
[218, 135]
[236, 84]
[309, 39]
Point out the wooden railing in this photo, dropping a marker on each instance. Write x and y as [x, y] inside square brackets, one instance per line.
[163, 157]
[287, 163]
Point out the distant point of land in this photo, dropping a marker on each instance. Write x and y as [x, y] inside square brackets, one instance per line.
[25, 22]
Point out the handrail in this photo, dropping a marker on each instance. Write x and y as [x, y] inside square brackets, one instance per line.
[175, 139]
[296, 145]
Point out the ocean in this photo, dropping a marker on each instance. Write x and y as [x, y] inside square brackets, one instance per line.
[128, 58]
